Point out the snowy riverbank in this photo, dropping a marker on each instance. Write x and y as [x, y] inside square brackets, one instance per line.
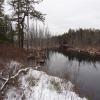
[37, 85]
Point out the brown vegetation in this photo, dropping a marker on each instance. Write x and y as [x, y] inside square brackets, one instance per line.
[9, 52]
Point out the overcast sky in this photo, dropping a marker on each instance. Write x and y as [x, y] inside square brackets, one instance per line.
[65, 14]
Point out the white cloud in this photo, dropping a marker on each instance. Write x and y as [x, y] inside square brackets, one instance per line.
[65, 14]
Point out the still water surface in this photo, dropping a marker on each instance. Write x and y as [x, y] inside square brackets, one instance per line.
[86, 74]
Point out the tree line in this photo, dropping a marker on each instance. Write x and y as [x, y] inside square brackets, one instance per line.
[81, 37]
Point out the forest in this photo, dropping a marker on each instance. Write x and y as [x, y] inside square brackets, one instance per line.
[81, 37]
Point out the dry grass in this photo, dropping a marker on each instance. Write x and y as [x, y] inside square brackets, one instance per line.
[2, 65]
[77, 89]
[9, 52]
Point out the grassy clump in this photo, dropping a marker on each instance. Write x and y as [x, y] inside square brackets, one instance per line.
[31, 81]
[55, 85]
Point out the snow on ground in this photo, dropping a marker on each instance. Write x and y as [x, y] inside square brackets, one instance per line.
[11, 68]
[37, 85]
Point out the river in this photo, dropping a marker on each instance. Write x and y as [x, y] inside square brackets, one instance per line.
[84, 73]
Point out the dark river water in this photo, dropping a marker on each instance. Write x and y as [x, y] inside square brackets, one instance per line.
[84, 73]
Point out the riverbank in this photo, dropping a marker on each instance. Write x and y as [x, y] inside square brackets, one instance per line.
[10, 52]
[29, 84]
[91, 52]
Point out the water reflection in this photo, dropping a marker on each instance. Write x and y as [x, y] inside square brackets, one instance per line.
[85, 73]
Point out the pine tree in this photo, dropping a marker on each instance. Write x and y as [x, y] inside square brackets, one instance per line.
[23, 9]
[1, 7]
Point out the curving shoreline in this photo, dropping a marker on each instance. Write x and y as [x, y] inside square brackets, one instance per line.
[93, 53]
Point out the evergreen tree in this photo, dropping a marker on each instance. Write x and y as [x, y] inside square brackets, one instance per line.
[23, 9]
[1, 7]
